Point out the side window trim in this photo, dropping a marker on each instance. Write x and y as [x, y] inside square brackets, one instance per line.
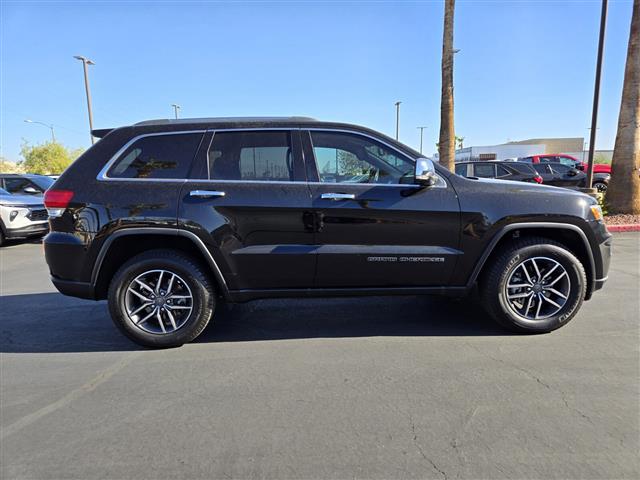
[102, 175]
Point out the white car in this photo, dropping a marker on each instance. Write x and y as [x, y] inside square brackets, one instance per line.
[21, 216]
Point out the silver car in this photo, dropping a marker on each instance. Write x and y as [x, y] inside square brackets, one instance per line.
[21, 216]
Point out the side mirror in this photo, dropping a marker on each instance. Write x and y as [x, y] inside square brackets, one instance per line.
[572, 173]
[30, 191]
[425, 172]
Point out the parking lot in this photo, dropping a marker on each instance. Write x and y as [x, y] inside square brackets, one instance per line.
[401, 387]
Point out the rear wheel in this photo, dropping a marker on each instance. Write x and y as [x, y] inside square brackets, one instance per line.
[161, 298]
[536, 286]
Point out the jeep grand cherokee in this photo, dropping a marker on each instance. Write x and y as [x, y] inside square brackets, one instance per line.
[168, 218]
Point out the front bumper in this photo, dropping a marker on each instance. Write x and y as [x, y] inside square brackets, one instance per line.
[28, 231]
[604, 249]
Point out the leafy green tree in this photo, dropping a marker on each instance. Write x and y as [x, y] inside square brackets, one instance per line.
[49, 158]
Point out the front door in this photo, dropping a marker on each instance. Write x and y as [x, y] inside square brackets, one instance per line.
[250, 204]
[375, 227]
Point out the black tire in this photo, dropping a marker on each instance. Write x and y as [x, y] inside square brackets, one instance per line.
[188, 271]
[601, 186]
[493, 285]
[2, 239]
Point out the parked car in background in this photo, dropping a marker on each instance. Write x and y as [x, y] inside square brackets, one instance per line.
[566, 160]
[25, 184]
[21, 216]
[520, 172]
[560, 175]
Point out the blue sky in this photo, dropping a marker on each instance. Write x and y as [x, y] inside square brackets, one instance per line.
[525, 69]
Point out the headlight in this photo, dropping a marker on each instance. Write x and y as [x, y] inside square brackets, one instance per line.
[596, 211]
[13, 215]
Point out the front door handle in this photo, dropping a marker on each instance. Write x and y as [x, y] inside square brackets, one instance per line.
[206, 193]
[338, 196]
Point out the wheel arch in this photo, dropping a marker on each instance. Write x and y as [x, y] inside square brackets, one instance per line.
[571, 236]
[125, 244]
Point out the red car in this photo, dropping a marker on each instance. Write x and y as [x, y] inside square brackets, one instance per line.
[566, 160]
[601, 171]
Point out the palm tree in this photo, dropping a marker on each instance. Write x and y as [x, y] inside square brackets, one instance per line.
[447, 145]
[623, 195]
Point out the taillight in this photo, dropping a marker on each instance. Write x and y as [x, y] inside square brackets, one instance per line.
[56, 201]
[537, 179]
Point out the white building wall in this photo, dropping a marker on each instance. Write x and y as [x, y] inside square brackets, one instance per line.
[501, 152]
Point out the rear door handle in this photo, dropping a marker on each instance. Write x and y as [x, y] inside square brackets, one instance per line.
[338, 196]
[206, 193]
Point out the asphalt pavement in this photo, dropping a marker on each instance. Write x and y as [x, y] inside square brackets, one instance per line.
[399, 387]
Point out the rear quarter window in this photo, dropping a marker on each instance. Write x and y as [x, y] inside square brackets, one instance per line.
[157, 156]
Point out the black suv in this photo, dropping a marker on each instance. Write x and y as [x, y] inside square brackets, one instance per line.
[515, 171]
[168, 218]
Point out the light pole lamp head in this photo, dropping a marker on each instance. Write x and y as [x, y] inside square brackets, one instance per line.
[84, 59]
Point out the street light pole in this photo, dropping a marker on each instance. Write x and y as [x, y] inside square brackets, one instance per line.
[397, 119]
[596, 93]
[50, 127]
[85, 62]
[421, 130]
[176, 107]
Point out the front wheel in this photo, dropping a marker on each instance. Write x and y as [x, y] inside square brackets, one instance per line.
[161, 299]
[536, 286]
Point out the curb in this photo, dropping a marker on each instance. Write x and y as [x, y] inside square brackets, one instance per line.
[632, 227]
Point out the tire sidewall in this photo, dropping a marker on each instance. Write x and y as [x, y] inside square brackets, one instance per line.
[203, 303]
[576, 294]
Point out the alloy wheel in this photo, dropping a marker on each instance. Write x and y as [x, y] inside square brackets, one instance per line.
[158, 302]
[537, 288]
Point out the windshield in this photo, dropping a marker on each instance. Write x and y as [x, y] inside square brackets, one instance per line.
[43, 182]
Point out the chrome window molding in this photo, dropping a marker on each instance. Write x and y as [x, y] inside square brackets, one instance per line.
[102, 175]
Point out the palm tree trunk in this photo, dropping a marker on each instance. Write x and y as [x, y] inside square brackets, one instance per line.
[447, 146]
[623, 195]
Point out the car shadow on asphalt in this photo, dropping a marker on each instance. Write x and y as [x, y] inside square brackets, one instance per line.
[53, 323]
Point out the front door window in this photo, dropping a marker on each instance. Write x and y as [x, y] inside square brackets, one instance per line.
[347, 158]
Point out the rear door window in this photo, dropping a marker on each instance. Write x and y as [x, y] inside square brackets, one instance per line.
[251, 155]
[158, 157]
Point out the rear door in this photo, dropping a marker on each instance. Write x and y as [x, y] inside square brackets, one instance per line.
[567, 176]
[249, 203]
[375, 227]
